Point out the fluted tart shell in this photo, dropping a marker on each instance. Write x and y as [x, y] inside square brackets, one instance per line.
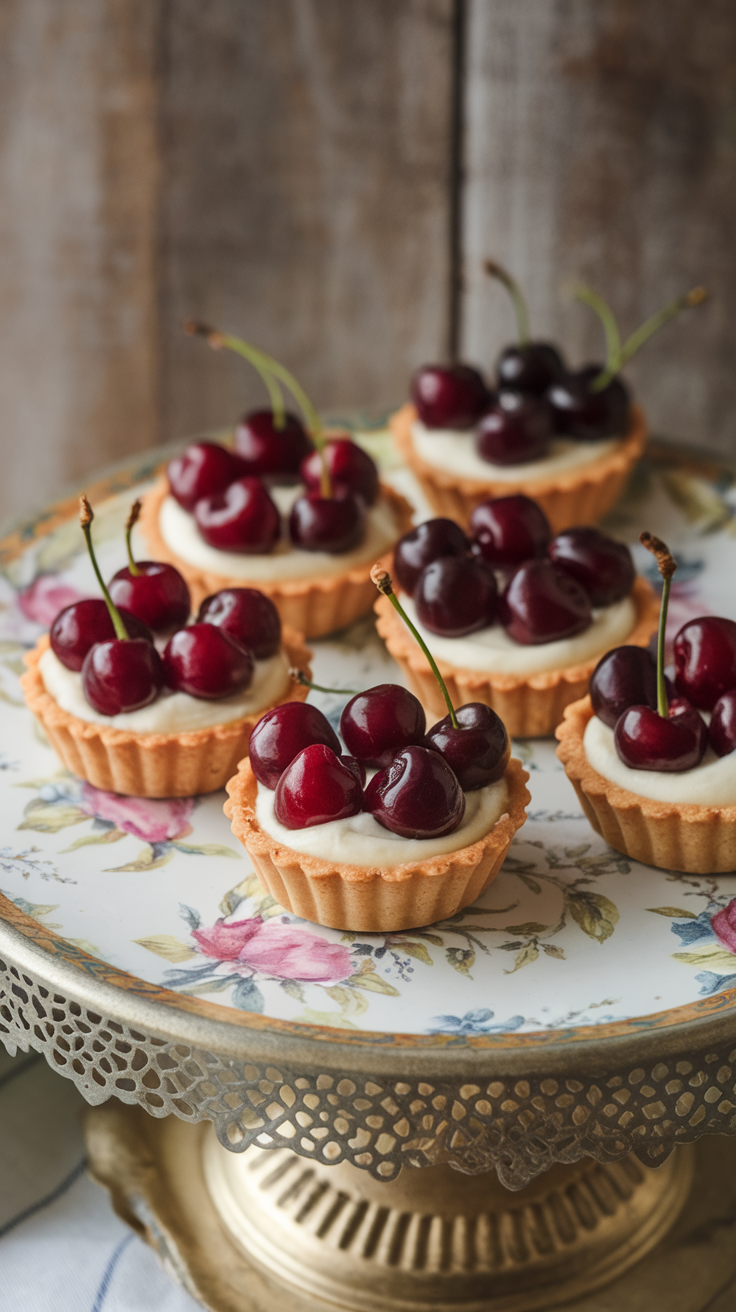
[697, 840]
[150, 764]
[369, 899]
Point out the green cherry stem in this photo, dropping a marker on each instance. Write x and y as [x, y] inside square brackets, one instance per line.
[619, 354]
[610, 328]
[650, 326]
[300, 677]
[135, 511]
[382, 580]
[666, 566]
[495, 270]
[85, 518]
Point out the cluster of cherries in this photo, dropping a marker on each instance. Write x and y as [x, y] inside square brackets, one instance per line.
[549, 585]
[112, 640]
[657, 726]
[536, 395]
[227, 490]
[421, 777]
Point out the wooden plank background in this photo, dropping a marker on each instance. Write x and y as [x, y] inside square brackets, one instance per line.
[290, 169]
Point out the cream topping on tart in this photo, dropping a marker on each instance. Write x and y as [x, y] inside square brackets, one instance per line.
[711, 783]
[454, 450]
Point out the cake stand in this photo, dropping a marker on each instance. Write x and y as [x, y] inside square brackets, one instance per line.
[538, 1055]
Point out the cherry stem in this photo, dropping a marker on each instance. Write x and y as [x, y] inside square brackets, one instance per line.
[382, 580]
[666, 566]
[300, 677]
[695, 296]
[135, 511]
[495, 270]
[85, 518]
[273, 373]
[610, 328]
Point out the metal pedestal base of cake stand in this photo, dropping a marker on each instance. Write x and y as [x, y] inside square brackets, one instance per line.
[259, 1231]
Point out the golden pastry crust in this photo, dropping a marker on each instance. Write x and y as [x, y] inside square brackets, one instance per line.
[152, 764]
[530, 705]
[313, 606]
[366, 898]
[578, 496]
[699, 840]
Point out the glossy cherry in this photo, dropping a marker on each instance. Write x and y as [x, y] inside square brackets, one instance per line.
[478, 751]
[509, 530]
[421, 545]
[586, 414]
[449, 396]
[157, 594]
[543, 603]
[722, 728]
[355, 766]
[605, 568]
[705, 660]
[79, 626]
[350, 468]
[333, 524]
[243, 518]
[122, 675]
[624, 677]
[417, 795]
[247, 615]
[204, 661]
[515, 430]
[282, 733]
[646, 740]
[456, 595]
[532, 367]
[203, 470]
[377, 723]
[316, 787]
[269, 452]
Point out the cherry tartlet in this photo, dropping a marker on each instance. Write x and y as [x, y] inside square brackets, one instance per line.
[517, 617]
[652, 760]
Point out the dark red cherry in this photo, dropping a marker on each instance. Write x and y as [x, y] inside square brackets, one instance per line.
[270, 452]
[624, 677]
[515, 430]
[603, 567]
[377, 723]
[122, 675]
[509, 530]
[334, 524]
[79, 626]
[423, 544]
[582, 413]
[247, 615]
[705, 660]
[456, 595]
[417, 795]
[543, 603]
[316, 788]
[157, 595]
[243, 518]
[282, 733]
[204, 469]
[646, 740]
[355, 766]
[449, 396]
[350, 468]
[722, 728]
[530, 368]
[205, 662]
[478, 751]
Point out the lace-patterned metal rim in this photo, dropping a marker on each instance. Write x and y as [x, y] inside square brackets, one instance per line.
[517, 1111]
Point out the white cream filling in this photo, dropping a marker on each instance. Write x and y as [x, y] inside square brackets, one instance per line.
[712, 783]
[172, 712]
[181, 535]
[492, 651]
[361, 841]
[454, 450]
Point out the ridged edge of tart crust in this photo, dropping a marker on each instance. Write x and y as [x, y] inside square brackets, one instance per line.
[578, 496]
[312, 606]
[152, 764]
[698, 840]
[530, 705]
[368, 898]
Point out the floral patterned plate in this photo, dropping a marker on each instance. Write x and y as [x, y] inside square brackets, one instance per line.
[158, 896]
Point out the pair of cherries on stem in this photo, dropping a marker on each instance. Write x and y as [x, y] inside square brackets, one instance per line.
[421, 777]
